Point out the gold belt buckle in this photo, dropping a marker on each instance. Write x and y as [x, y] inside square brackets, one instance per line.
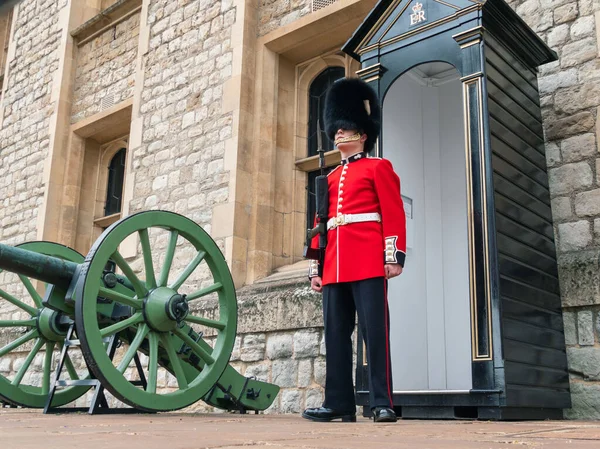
[339, 220]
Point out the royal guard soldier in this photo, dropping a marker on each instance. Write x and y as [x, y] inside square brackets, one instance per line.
[365, 246]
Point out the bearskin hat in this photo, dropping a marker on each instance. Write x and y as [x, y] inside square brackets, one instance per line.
[351, 103]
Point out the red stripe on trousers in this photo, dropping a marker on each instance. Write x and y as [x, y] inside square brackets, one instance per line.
[387, 343]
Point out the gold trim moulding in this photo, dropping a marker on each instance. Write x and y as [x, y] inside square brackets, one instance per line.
[471, 77]
[468, 34]
[376, 70]
[388, 12]
[422, 29]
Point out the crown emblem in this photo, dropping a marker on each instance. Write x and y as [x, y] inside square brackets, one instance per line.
[418, 14]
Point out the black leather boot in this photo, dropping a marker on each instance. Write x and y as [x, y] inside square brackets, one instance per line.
[324, 414]
[384, 414]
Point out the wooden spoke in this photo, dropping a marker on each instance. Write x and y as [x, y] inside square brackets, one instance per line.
[47, 367]
[17, 323]
[175, 361]
[147, 253]
[70, 368]
[37, 299]
[152, 362]
[188, 270]
[120, 298]
[164, 273]
[205, 291]
[200, 352]
[138, 286]
[133, 347]
[21, 305]
[205, 322]
[121, 325]
[21, 373]
[19, 341]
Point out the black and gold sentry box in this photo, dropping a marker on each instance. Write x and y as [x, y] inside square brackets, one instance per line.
[476, 324]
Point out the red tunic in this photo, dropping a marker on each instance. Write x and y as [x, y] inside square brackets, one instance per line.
[357, 251]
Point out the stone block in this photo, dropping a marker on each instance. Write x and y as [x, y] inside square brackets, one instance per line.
[585, 399]
[236, 352]
[280, 346]
[588, 203]
[6, 365]
[253, 348]
[574, 99]
[291, 401]
[579, 123]
[557, 36]
[597, 228]
[585, 328]
[578, 52]
[304, 372]
[574, 236]
[552, 154]
[561, 208]
[578, 147]
[314, 397]
[584, 362]
[306, 343]
[582, 27]
[565, 13]
[579, 274]
[320, 371]
[285, 373]
[570, 177]
[570, 328]
[259, 370]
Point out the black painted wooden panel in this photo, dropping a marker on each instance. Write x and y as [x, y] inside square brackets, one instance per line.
[521, 233]
[535, 364]
[527, 353]
[531, 375]
[529, 396]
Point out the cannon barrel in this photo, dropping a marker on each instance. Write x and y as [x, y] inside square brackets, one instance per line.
[48, 269]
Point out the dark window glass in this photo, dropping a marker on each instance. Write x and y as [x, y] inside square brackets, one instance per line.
[316, 106]
[114, 191]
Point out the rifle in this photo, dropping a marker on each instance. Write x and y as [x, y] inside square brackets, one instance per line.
[322, 209]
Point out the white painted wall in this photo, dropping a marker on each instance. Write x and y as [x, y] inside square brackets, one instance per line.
[429, 303]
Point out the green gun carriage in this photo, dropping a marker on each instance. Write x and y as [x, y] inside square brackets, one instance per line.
[135, 324]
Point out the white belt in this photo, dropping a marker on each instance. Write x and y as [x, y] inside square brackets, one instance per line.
[345, 219]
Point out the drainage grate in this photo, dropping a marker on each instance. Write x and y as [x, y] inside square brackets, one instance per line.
[320, 4]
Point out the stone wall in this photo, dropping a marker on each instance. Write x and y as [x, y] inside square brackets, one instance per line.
[273, 14]
[570, 97]
[106, 69]
[25, 127]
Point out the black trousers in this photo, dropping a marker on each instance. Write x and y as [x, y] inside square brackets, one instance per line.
[341, 302]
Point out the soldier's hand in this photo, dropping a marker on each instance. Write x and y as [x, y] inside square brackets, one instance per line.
[392, 270]
[316, 284]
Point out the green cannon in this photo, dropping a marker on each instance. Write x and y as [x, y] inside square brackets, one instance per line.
[137, 326]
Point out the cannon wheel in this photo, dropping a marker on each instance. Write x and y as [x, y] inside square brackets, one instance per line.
[41, 332]
[152, 330]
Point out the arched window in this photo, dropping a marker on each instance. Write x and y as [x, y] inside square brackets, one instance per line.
[316, 107]
[114, 188]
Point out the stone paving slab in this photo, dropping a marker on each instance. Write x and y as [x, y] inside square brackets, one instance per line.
[26, 429]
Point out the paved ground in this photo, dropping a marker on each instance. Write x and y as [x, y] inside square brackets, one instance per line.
[24, 429]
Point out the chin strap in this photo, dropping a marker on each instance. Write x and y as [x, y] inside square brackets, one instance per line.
[352, 138]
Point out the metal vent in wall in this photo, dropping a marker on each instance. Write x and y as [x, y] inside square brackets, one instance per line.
[107, 101]
[320, 4]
